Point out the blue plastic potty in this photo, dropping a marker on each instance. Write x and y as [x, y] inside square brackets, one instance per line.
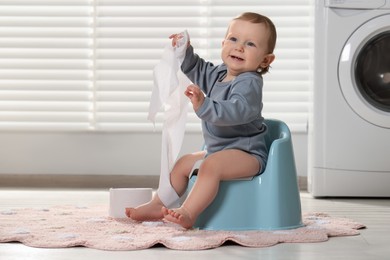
[269, 201]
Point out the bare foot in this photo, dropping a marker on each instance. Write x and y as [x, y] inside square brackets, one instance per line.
[179, 216]
[150, 211]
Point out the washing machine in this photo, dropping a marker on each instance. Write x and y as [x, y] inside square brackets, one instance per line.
[349, 125]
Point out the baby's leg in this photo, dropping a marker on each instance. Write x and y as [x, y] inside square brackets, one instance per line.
[182, 170]
[179, 180]
[223, 165]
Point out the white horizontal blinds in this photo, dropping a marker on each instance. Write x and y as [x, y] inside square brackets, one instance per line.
[130, 39]
[131, 36]
[88, 65]
[286, 87]
[45, 64]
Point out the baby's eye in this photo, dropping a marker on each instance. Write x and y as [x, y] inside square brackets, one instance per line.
[233, 39]
[251, 44]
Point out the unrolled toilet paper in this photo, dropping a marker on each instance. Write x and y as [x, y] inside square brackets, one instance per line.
[168, 94]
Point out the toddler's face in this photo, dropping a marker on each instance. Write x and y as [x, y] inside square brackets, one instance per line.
[245, 47]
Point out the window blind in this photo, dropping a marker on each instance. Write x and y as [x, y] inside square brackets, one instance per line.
[84, 65]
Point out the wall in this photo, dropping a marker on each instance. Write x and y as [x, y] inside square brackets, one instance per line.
[100, 153]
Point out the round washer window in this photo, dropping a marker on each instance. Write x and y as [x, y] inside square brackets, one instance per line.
[364, 71]
[372, 71]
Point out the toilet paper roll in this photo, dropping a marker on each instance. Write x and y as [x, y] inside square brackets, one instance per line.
[122, 198]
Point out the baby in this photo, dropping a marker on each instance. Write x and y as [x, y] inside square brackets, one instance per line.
[228, 100]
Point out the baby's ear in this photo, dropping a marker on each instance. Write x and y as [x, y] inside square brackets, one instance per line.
[268, 59]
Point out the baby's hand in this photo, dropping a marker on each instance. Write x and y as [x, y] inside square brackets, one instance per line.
[176, 38]
[195, 94]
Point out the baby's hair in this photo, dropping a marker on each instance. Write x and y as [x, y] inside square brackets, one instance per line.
[258, 18]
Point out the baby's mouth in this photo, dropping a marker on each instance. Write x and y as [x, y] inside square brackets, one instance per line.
[236, 58]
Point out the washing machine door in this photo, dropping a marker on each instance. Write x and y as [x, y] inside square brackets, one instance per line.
[364, 71]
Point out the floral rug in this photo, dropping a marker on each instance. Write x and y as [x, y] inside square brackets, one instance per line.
[70, 226]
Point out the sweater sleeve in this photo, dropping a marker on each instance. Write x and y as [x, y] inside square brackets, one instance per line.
[243, 105]
[199, 71]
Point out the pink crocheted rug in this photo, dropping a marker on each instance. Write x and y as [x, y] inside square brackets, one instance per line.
[69, 226]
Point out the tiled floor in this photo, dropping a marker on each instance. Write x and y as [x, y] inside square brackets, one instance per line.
[373, 243]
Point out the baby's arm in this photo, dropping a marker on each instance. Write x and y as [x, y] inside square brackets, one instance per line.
[241, 106]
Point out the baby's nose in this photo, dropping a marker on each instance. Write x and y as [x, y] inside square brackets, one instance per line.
[239, 46]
